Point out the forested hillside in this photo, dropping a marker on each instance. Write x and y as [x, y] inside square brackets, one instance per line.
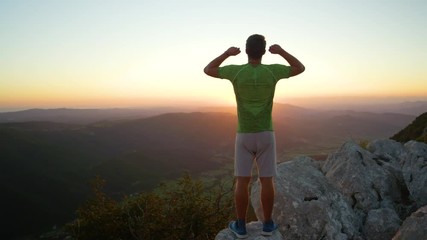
[417, 130]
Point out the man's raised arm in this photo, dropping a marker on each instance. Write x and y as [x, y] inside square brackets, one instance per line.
[296, 66]
[212, 68]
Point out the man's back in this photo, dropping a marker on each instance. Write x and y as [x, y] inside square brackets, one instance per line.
[254, 87]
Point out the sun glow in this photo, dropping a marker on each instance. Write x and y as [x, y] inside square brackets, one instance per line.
[148, 53]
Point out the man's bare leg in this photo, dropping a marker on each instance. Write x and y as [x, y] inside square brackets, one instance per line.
[241, 196]
[267, 196]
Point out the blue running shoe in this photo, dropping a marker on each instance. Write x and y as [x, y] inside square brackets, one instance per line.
[268, 228]
[238, 227]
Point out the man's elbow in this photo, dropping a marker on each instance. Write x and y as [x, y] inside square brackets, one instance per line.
[206, 70]
[297, 70]
[301, 69]
[211, 72]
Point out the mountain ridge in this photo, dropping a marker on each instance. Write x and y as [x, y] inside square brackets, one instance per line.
[92, 115]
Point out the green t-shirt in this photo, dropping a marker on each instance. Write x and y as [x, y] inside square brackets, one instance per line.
[254, 89]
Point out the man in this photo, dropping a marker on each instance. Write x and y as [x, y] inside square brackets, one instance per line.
[254, 85]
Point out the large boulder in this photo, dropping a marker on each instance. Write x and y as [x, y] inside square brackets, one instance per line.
[389, 154]
[408, 164]
[414, 168]
[364, 178]
[414, 227]
[307, 206]
[254, 231]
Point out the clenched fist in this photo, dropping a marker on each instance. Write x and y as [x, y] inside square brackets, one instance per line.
[232, 51]
[275, 49]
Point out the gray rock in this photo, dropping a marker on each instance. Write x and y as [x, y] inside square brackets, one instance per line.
[307, 206]
[386, 150]
[414, 168]
[361, 177]
[355, 194]
[414, 227]
[254, 231]
[381, 224]
[388, 154]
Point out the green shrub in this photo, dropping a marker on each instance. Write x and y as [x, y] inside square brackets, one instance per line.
[187, 209]
[363, 143]
[99, 218]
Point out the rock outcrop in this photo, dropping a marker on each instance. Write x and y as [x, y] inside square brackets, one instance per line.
[308, 206]
[356, 193]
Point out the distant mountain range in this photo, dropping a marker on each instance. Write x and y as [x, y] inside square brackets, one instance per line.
[47, 165]
[375, 105]
[412, 108]
[82, 116]
[86, 116]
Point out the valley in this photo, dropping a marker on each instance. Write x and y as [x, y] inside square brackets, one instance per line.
[47, 165]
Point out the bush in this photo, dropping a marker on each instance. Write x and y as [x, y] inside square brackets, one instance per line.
[99, 218]
[363, 143]
[187, 209]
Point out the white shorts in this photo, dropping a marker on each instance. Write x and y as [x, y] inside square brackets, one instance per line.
[261, 147]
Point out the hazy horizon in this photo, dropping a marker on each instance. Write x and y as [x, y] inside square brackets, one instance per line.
[93, 54]
[318, 103]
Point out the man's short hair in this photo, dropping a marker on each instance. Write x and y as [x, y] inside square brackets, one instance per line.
[255, 46]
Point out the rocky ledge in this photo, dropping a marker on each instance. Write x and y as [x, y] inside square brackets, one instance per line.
[378, 192]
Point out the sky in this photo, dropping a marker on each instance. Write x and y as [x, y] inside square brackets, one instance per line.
[93, 53]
